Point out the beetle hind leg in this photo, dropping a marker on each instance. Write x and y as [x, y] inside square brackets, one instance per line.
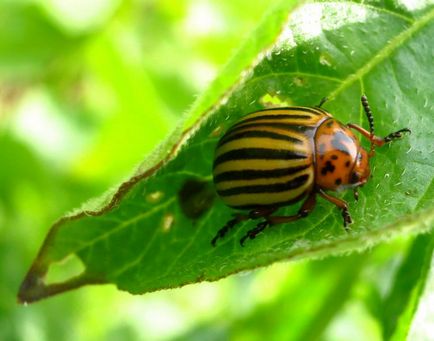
[255, 231]
[253, 214]
[229, 225]
[303, 212]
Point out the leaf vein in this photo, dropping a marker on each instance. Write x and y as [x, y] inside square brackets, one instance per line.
[394, 44]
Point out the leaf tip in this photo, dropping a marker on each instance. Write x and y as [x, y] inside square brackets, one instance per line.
[30, 289]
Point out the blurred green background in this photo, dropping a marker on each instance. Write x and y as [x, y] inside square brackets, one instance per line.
[87, 89]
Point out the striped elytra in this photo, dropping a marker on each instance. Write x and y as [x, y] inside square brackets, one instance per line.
[276, 157]
[266, 158]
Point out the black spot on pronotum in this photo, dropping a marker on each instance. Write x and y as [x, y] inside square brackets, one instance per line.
[329, 167]
[195, 197]
[338, 181]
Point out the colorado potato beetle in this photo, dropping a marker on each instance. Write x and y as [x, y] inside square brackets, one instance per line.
[277, 157]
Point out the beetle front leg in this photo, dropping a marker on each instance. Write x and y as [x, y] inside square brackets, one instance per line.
[375, 140]
[341, 204]
[396, 135]
[379, 141]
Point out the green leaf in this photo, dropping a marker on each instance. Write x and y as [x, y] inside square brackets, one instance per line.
[400, 305]
[155, 230]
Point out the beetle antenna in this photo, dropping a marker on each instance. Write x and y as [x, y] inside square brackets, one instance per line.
[368, 112]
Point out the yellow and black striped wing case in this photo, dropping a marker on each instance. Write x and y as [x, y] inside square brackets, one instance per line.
[266, 158]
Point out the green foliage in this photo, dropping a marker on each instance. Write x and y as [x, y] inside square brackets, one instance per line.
[113, 97]
[400, 305]
[165, 216]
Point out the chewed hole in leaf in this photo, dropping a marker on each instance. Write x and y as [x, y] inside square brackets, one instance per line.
[69, 267]
[272, 100]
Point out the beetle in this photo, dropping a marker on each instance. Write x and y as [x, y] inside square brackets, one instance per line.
[276, 157]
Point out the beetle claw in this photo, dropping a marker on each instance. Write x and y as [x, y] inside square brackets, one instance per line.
[251, 234]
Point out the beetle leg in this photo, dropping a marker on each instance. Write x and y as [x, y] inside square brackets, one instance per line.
[253, 232]
[305, 209]
[229, 225]
[396, 135]
[389, 138]
[261, 212]
[379, 141]
[253, 214]
[375, 140]
[341, 204]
